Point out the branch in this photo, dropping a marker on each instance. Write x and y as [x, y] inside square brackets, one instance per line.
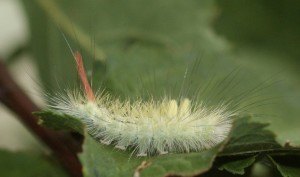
[17, 101]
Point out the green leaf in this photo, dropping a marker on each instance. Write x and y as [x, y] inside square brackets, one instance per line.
[246, 138]
[101, 160]
[287, 168]
[20, 164]
[59, 121]
[249, 138]
[238, 166]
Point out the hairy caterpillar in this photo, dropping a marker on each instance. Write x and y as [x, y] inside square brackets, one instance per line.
[148, 127]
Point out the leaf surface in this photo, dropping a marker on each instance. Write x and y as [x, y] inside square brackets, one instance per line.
[20, 164]
[102, 160]
[249, 138]
[288, 167]
[238, 166]
[59, 121]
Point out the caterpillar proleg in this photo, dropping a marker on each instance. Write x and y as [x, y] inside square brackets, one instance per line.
[146, 127]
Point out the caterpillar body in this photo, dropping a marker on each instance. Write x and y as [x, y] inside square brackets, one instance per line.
[146, 127]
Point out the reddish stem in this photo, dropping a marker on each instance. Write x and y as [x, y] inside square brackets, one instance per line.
[12, 96]
[82, 75]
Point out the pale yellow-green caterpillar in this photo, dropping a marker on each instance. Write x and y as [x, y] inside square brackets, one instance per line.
[146, 127]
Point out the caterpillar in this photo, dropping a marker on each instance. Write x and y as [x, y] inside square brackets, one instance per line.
[146, 127]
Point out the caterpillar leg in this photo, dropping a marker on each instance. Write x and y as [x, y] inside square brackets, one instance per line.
[105, 142]
[120, 147]
[163, 152]
[141, 154]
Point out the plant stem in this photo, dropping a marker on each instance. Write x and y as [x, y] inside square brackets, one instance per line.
[12, 96]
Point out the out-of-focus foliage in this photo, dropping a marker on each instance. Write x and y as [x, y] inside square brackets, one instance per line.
[28, 164]
[156, 40]
[269, 25]
[265, 38]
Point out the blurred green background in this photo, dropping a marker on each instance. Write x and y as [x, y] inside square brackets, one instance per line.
[122, 41]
